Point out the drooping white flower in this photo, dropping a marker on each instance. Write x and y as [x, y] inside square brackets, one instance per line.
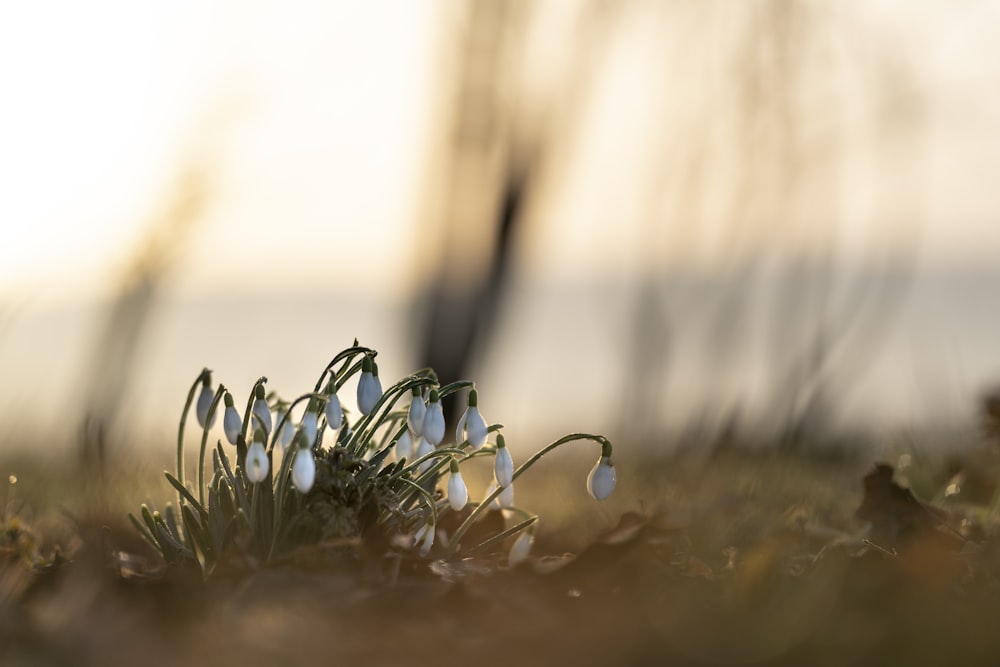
[425, 534]
[262, 413]
[458, 492]
[415, 415]
[205, 401]
[434, 420]
[404, 446]
[472, 426]
[521, 548]
[507, 496]
[310, 424]
[231, 422]
[369, 386]
[503, 464]
[303, 469]
[287, 431]
[334, 412]
[601, 480]
[257, 463]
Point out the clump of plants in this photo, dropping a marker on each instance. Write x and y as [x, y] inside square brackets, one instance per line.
[322, 478]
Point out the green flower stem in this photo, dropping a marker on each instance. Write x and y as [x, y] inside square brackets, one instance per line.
[361, 429]
[605, 451]
[501, 536]
[345, 355]
[219, 393]
[426, 494]
[288, 415]
[180, 431]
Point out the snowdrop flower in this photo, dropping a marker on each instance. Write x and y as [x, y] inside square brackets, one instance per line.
[601, 481]
[303, 469]
[521, 548]
[334, 412]
[310, 423]
[369, 386]
[261, 412]
[458, 492]
[205, 401]
[473, 424]
[425, 533]
[257, 464]
[503, 464]
[415, 416]
[404, 446]
[434, 420]
[231, 423]
[423, 448]
[507, 496]
[287, 431]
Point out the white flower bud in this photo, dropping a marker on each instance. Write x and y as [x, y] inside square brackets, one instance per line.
[503, 464]
[520, 549]
[601, 481]
[261, 412]
[472, 423]
[415, 416]
[404, 446]
[334, 412]
[205, 403]
[303, 469]
[257, 463]
[231, 422]
[425, 533]
[434, 420]
[458, 492]
[507, 496]
[369, 386]
[287, 432]
[310, 426]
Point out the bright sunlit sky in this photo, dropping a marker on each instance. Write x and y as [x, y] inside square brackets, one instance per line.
[317, 124]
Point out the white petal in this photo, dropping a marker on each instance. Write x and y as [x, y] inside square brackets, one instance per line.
[257, 464]
[434, 423]
[475, 428]
[369, 392]
[287, 432]
[263, 414]
[415, 416]
[520, 549]
[310, 427]
[334, 412]
[507, 496]
[203, 405]
[458, 493]
[404, 446]
[303, 470]
[232, 424]
[601, 481]
[503, 467]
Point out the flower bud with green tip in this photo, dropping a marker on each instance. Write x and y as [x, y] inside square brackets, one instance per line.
[601, 481]
[205, 401]
[415, 415]
[257, 463]
[303, 467]
[521, 548]
[503, 464]
[434, 420]
[369, 386]
[458, 492]
[472, 423]
[231, 422]
[262, 413]
[310, 423]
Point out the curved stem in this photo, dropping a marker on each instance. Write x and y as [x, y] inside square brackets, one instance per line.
[600, 439]
[246, 415]
[346, 355]
[180, 431]
[219, 393]
[394, 392]
[288, 415]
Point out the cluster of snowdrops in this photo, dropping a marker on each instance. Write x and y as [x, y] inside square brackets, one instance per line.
[390, 472]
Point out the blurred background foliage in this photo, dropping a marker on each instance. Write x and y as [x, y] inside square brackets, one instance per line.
[670, 222]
